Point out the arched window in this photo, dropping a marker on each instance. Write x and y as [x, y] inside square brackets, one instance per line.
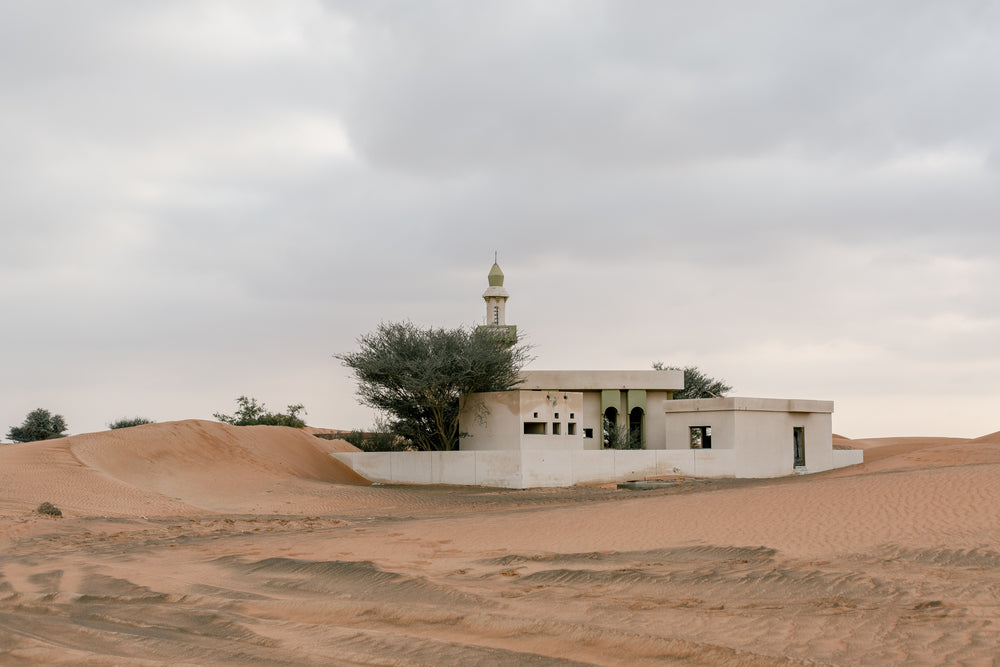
[635, 428]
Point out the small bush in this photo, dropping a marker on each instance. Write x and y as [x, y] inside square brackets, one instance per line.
[356, 438]
[376, 441]
[40, 424]
[126, 422]
[50, 509]
[252, 413]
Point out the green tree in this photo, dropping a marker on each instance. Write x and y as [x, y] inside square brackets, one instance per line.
[696, 383]
[40, 424]
[126, 422]
[418, 377]
[251, 413]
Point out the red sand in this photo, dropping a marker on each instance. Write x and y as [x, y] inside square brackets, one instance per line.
[201, 543]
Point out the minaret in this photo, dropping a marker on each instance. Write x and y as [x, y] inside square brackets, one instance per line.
[496, 297]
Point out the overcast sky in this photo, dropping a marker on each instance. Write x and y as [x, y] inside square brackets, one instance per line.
[206, 199]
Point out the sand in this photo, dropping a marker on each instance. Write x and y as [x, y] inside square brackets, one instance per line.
[200, 543]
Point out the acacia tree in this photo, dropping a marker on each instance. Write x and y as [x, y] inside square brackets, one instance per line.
[40, 424]
[696, 383]
[418, 377]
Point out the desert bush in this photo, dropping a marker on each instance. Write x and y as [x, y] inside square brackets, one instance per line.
[620, 436]
[40, 424]
[376, 441]
[126, 422]
[251, 413]
[50, 509]
[356, 438]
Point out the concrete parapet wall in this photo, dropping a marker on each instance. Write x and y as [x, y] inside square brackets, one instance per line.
[538, 468]
[847, 457]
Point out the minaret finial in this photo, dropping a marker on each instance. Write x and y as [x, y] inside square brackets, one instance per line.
[494, 256]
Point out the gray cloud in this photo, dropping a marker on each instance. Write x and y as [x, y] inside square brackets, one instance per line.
[202, 199]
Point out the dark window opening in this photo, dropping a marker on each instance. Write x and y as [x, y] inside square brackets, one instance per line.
[588, 433]
[535, 415]
[534, 428]
[610, 427]
[572, 416]
[556, 416]
[701, 437]
[799, 445]
[556, 428]
[635, 428]
[571, 428]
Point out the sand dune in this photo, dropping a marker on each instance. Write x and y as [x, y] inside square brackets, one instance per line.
[168, 468]
[200, 543]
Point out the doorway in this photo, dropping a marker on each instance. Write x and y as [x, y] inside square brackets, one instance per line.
[799, 445]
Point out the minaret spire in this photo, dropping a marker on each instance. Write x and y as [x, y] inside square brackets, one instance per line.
[496, 297]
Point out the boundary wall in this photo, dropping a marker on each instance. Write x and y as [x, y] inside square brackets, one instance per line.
[514, 469]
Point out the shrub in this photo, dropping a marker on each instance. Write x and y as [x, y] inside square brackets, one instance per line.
[50, 509]
[376, 441]
[126, 422]
[40, 424]
[356, 438]
[252, 413]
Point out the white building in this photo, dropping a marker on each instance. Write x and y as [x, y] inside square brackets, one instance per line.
[561, 428]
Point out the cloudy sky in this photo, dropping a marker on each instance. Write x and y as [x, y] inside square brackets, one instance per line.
[206, 199]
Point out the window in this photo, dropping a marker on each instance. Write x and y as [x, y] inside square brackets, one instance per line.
[556, 416]
[588, 433]
[701, 437]
[799, 445]
[571, 428]
[496, 314]
[572, 416]
[535, 415]
[556, 428]
[534, 428]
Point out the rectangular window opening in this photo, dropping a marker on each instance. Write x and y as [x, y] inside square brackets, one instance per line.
[556, 428]
[534, 428]
[799, 445]
[571, 428]
[556, 416]
[588, 433]
[572, 416]
[701, 437]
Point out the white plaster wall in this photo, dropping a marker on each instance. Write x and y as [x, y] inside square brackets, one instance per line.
[553, 468]
[497, 427]
[677, 426]
[597, 380]
[656, 423]
[513, 469]
[766, 442]
[847, 457]
[592, 418]
[498, 468]
[591, 467]
[633, 464]
[548, 404]
[453, 467]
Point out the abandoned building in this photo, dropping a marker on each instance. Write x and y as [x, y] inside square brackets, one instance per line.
[560, 428]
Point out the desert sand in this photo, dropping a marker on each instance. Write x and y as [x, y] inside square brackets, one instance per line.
[200, 543]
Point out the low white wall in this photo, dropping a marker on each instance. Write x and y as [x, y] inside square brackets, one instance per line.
[538, 468]
[847, 457]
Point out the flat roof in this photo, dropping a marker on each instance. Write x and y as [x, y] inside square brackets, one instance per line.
[598, 380]
[747, 404]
